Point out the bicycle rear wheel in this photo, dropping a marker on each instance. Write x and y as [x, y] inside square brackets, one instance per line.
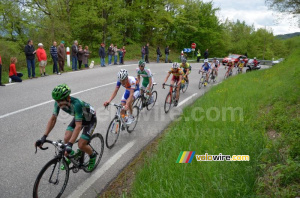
[201, 81]
[97, 145]
[135, 114]
[138, 102]
[51, 181]
[154, 96]
[113, 132]
[186, 84]
[168, 103]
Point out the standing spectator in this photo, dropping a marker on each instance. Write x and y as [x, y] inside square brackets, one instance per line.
[167, 52]
[198, 55]
[61, 52]
[158, 54]
[1, 72]
[206, 54]
[42, 58]
[53, 52]
[120, 56]
[143, 52]
[147, 53]
[74, 56]
[80, 56]
[30, 56]
[85, 57]
[102, 55]
[115, 55]
[110, 53]
[124, 52]
[15, 77]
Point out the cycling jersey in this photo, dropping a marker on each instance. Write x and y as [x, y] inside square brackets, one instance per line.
[146, 74]
[176, 72]
[217, 63]
[206, 67]
[241, 64]
[185, 67]
[132, 84]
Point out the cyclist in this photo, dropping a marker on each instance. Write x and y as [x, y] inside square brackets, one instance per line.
[205, 68]
[132, 92]
[215, 66]
[230, 65]
[241, 64]
[84, 118]
[186, 69]
[147, 78]
[177, 77]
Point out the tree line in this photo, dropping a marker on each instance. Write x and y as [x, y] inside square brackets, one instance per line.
[176, 23]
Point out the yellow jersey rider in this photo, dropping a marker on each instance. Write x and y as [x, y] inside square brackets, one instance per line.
[186, 69]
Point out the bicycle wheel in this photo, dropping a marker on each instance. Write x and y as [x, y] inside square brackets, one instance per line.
[51, 181]
[113, 132]
[135, 114]
[209, 78]
[154, 96]
[97, 145]
[168, 103]
[201, 81]
[186, 84]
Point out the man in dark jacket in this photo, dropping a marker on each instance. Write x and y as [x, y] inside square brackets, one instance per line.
[147, 53]
[167, 52]
[74, 56]
[30, 57]
[110, 53]
[53, 52]
[206, 54]
[102, 54]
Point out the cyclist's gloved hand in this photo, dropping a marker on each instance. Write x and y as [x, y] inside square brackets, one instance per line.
[163, 85]
[41, 141]
[69, 147]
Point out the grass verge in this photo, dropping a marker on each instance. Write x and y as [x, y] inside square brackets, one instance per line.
[254, 114]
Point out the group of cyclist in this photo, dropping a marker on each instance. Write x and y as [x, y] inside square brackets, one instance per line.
[85, 115]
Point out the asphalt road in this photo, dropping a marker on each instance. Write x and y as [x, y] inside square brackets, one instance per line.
[26, 107]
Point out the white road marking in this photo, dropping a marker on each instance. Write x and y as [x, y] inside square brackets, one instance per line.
[10, 84]
[187, 99]
[43, 103]
[127, 65]
[94, 176]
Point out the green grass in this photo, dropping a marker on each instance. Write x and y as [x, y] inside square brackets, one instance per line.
[268, 101]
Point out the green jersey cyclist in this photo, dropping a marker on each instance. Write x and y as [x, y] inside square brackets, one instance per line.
[147, 79]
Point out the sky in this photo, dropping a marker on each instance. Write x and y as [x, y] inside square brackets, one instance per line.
[257, 13]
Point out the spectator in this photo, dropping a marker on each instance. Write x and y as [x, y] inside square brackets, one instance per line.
[115, 55]
[206, 54]
[53, 52]
[1, 72]
[158, 54]
[167, 52]
[80, 56]
[198, 55]
[61, 52]
[42, 58]
[182, 57]
[102, 55]
[13, 75]
[120, 56]
[147, 53]
[30, 56]
[124, 52]
[143, 52]
[74, 56]
[110, 53]
[85, 57]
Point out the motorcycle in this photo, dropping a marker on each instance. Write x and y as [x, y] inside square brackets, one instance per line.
[251, 67]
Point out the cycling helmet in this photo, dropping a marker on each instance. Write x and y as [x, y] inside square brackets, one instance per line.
[61, 92]
[175, 65]
[205, 60]
[122, 74]
[241, 59]
[254, 58]
[142, 63]
[183, 60]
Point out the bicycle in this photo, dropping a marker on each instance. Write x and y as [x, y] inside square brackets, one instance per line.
[227, 75]
[52, 179]
[144, 100]
[212, 76]
[171, 98]
[184, 84]
[239, 70]
[118, 123]
[202, 80]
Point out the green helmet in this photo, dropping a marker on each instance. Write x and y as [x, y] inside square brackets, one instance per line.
[60, 92]
[142, 63]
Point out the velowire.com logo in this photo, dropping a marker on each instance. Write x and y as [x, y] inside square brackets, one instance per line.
[187, 157]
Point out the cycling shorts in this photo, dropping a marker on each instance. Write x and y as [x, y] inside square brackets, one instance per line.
[87, 126]
[127, 94]
[175, 78]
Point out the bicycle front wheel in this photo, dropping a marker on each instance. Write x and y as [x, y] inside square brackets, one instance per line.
[135, 114]
[201, 81]
[51, 181]
[113, 132]
[186, 84]
[97, 145]
[154, 97]
[168, 103]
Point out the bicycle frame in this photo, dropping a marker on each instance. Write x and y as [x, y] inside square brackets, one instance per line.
[118, 113]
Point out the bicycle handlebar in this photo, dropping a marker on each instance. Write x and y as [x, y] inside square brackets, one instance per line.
[39, 144]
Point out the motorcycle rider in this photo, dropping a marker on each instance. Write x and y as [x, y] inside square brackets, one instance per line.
[255, 62]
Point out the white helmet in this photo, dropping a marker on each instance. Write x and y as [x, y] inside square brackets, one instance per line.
[175, 65]
[206, 60]
[122, 74]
